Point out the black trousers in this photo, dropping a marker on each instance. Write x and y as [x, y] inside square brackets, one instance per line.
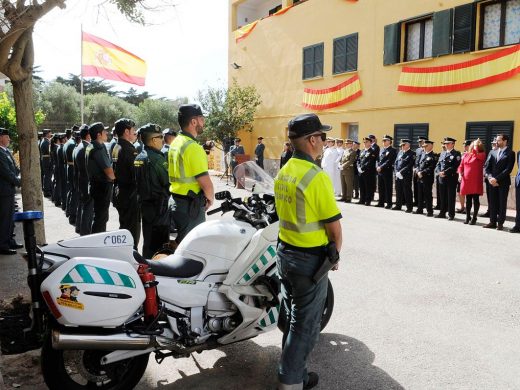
[6, 221]
[129, 213]
[403, 189]
[498, 204]
[47, 176]
[156, 230]
[386, 187]
[448, 193]
[367, 185]
[86, 205]
[424, 195]
[356, 185]
[101, 194]
[416, 192]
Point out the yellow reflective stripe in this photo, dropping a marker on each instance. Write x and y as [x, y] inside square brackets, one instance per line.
[181, 164]
[182, 179]
[302, 226]
[115, 152]
[306, 228]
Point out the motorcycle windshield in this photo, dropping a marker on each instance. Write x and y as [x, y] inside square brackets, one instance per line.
[253, 178]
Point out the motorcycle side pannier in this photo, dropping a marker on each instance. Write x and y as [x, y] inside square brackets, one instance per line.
[93, 292]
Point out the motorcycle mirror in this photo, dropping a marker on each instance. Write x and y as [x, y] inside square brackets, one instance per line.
[222, 195]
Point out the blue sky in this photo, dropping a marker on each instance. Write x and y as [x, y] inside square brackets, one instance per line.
[185, 45]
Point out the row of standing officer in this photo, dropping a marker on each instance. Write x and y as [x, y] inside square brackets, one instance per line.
[404, 166]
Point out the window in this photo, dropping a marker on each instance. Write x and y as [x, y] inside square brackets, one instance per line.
[353, 131]
[345, 54]
[499, 23]
[486, 131]
[419, 38]
[313, 61]
[410, 131]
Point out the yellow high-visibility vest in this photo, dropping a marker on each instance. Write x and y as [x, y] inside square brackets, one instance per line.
[304, 198]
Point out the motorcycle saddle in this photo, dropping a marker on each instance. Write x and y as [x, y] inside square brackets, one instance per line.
[172, 266]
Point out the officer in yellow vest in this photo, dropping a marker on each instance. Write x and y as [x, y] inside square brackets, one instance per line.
[309, 221]
[190, 184]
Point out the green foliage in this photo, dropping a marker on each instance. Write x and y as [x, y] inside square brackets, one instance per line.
[131, 9]
[90, 86]
[61, 103]
[229, 110]
[161, 112]
[8, 118]
[101, 107]
[133, 97]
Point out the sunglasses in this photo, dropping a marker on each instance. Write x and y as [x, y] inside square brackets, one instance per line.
[323, 136]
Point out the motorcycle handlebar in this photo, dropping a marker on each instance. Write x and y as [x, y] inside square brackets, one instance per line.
[214, 211]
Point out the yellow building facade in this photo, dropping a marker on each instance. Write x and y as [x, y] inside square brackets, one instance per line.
[347, 59]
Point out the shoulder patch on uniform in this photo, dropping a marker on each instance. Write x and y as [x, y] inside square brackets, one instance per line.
[458, 157]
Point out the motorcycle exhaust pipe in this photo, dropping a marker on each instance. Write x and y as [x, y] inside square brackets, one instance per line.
[119, 341]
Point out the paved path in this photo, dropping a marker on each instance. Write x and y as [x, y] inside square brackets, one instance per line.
[421, 303]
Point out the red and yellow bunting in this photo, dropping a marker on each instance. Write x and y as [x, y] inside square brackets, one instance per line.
[244, 31]
[322, 99]
[464, 75]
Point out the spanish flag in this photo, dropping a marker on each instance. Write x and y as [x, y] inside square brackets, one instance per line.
[103, 59]
[475, 73]
[338, 95]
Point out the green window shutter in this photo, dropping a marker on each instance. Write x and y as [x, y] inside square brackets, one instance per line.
[442, 25]
[340, 55]
[318, 60]
[308, 62]
[463, 28]
[392, 44]
[352, 52]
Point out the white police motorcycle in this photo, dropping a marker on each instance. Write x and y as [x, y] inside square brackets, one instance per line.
[100, 309]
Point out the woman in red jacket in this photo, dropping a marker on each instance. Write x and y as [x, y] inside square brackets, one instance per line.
[471, 176]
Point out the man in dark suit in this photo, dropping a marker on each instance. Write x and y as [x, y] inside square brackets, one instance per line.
[446, 168]
[9, 179]
[516, 228]
[259, 152]
[385, 172]
[403, 176]
[498, 173]
[486, 182]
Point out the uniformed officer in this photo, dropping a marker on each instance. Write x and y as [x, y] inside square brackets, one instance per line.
[385, 172]
[425, 172]
[85, 202]
[309, 221]
[233, 152]
[62, 163]
[403, 176]
[45, 153]
[9, 179]
[68, 149]
[151, 172]
[168, 137]
[446, 168]
[138, 144]
[113, 141]
[191, 186]
[56, 183]
[125, 190]
[259, 152]
[40, 139]
[418, 153]
[100, 176]
[366, 167]
[355, 147]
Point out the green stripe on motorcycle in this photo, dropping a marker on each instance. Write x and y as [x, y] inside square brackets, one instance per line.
[127, 281]
[67, 279]
[271, 251]
[85, 275]
[255, 268]
[271, 317]
[105, 276]
[263, 260]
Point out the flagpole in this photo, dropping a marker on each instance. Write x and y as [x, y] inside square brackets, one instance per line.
[81, 80]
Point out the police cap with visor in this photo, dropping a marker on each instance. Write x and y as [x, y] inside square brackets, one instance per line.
[305, 124]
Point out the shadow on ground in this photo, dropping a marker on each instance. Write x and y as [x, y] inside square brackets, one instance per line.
[341, 361]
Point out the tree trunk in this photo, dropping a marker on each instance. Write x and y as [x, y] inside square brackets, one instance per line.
[32, 197]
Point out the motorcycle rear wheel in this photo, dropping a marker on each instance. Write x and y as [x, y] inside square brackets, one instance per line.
[81, 369]
[325, 317]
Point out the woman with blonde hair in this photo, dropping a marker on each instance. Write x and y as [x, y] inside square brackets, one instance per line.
[471, 176]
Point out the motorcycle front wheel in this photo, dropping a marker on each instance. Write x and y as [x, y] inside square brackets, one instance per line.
[325, 316]
[81, 369]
